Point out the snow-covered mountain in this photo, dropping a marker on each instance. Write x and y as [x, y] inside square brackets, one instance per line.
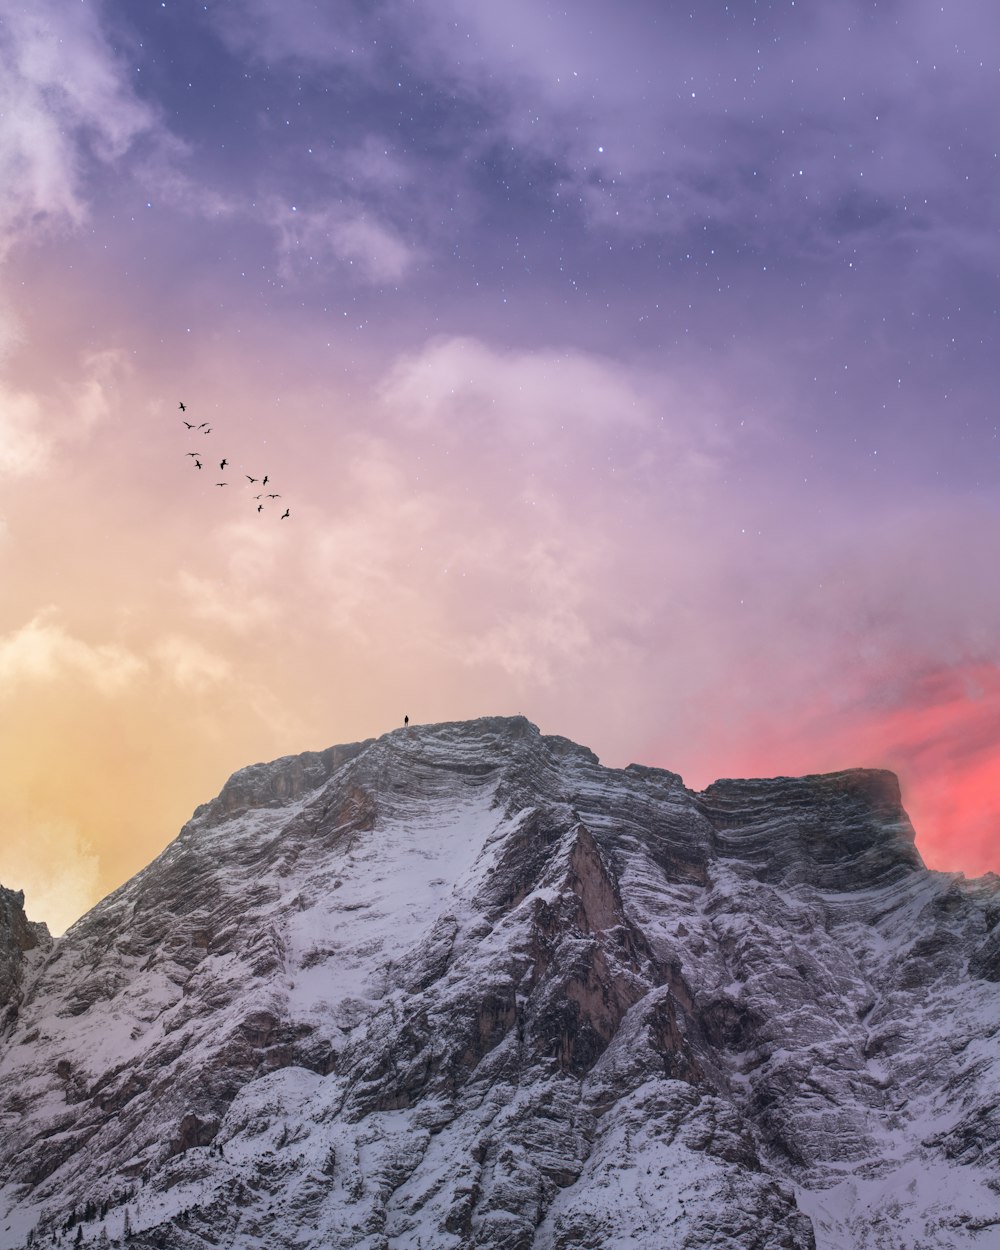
[462, 986]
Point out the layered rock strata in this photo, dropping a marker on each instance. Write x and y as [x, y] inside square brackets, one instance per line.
[462, 986]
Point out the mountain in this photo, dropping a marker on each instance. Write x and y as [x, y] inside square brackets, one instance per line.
[463, 986]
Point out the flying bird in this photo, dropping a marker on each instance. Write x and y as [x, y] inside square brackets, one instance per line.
[204, 427]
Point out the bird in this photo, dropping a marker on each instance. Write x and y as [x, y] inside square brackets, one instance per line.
[190, 425]
[192, 453]
[284, 514]
[223, 464]
[249, 478]
[258, 496]
[274, 496]
[197, 464]
[260, 507]
[204, 426]
[183, 406]
[208, 429]
[222, 483]
[264, 483]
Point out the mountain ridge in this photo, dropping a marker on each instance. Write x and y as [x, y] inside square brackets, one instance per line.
[462, 986]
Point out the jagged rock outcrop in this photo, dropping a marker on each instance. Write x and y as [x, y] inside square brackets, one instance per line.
[22, 943]
[462, 986]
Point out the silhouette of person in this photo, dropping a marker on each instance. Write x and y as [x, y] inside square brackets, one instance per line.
[406, 721]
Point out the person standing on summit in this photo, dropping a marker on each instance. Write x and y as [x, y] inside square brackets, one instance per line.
[406, 721]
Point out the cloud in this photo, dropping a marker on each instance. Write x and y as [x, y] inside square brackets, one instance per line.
[93, 392]
[56, 867]
[344, 237]
[469, 386]
[64, 100]
[659, 125]
[297, 30]
[547, 629]
[795, 127]
[551, 424]
[34, 427]
[239, 595]
[373, 166]
[24, 448]
[42, 651]
[190, 665]
[232, 605]
[493, 511]
[165, 179]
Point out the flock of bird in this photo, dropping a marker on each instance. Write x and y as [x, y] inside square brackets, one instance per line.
[205, 428]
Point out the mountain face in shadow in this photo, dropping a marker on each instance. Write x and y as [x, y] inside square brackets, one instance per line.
[463, 987]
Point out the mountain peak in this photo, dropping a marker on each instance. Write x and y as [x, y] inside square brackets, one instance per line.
[461, 985]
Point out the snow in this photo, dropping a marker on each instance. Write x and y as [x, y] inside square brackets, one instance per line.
[385, 899]
[831, 1053]
[911, 1206]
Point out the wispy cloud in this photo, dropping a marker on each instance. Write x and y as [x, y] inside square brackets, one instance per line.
[792, 129]
[231, 604]
[540, 418]
[168, 176]
[65, 99]
[36, 426]
[297, 30]
[464, 385]
[344, 238]
[190, 665]
[44, 651]
[24, 448]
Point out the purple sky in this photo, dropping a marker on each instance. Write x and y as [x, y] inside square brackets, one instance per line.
[631, 367]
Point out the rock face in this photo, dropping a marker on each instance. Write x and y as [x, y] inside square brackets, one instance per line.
[463, 987]
[22, 944]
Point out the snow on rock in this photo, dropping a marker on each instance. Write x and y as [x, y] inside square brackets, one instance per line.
[461, 986]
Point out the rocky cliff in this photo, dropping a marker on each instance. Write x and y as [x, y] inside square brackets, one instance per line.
[22, 945]
[462, 986]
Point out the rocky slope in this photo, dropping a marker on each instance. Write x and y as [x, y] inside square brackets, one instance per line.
[462, 986]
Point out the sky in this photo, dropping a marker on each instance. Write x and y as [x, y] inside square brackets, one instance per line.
[632, 368]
